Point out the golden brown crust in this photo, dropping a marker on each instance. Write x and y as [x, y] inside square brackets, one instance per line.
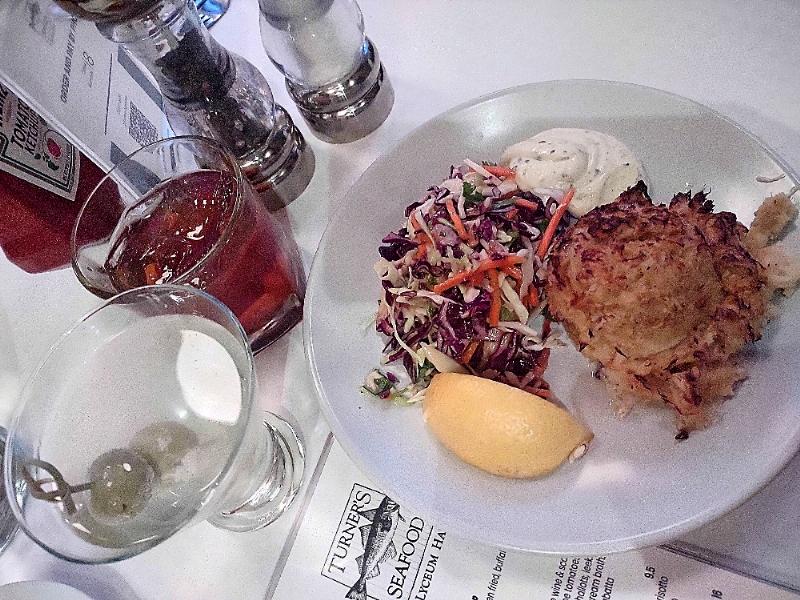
[662, 297]
[782, 270]
[771, 218]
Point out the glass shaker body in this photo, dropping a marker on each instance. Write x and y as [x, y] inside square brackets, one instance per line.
[312, 42]
[332, 70]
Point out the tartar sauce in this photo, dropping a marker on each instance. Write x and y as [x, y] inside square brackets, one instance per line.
[598, 165]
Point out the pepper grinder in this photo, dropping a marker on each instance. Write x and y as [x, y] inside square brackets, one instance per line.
[209, 91]
[333, 72]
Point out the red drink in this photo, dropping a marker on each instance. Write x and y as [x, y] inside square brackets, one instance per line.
[179, 210]
[195, 229]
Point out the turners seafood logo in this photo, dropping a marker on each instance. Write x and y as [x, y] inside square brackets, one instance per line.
[378, 549]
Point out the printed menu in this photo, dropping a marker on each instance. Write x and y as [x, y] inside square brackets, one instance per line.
[85, 86]
[355, 542]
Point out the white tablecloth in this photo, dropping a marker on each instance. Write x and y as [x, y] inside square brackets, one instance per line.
[740, 58]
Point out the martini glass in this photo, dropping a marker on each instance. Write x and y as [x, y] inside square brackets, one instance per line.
[8, 524]
[142, 420]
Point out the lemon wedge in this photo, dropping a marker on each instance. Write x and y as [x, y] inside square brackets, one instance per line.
[499, 428]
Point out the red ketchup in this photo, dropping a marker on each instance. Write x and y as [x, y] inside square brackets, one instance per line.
[43, 180]
[35, 224]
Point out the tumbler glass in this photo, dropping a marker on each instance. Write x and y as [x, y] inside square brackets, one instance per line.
[180, 211]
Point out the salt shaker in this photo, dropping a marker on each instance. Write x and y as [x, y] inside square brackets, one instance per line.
[333, 72]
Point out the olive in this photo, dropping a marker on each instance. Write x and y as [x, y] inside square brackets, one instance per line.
[165, 444]
[122, 483]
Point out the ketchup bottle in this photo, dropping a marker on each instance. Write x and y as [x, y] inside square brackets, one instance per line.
[43, 181]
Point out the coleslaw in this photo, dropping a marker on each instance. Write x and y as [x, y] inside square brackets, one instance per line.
[462, 284]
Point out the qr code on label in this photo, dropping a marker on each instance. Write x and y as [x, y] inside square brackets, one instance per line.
[140, 127]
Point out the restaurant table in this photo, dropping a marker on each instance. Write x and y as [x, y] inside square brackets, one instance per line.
[739, 58]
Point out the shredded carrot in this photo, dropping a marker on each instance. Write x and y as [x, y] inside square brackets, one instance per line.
[513, 272]
[151, 273]
[459, 225]
[512, 214]
[529, 298]
[453, 281]
[414, 224]
[422, 249]
[476, 279]
[494, 307]
[506, 261]
[547, 237]
[486, 265]
[499, 171]
[469, 351]
[526, 203]
[422, 245]
[532, 299]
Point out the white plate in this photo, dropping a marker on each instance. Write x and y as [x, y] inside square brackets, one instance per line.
[40, 590]
[637, 486]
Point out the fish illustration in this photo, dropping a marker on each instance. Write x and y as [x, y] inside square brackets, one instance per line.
[376, 538]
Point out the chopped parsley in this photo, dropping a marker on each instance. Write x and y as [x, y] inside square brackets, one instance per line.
[426, 371]
[378, 384]
[471, 195]
[387, 386]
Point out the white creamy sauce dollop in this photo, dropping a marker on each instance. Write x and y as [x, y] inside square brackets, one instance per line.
[598, 165]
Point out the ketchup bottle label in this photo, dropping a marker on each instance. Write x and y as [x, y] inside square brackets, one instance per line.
[31, 150]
